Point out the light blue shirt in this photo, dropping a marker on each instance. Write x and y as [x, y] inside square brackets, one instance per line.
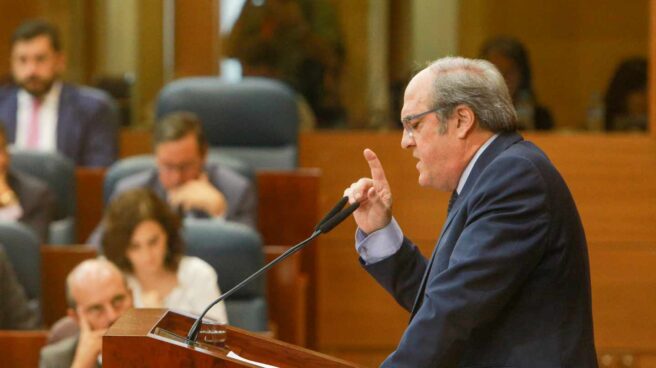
[384, 242]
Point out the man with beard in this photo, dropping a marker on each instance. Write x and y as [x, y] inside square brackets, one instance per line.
[43, 113]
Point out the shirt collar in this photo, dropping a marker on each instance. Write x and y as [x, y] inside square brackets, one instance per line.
[52, 95]
[470, 165]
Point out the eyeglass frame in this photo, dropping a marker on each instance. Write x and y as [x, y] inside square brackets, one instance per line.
[409, 128]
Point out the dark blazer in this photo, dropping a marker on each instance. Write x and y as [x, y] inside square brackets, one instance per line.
[36, 200]
[508, 283]
[87, 124]
[15, 313]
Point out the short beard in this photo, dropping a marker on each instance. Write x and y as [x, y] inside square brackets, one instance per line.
[45, 87]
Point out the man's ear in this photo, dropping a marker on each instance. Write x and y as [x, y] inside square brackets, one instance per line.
[466, 121]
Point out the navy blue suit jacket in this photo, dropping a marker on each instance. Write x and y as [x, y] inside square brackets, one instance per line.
[87, 124]
[508, 283]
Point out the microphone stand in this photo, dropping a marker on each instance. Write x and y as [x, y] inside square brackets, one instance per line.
[332, 219]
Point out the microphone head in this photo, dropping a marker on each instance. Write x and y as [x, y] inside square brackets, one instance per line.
[337, 219]
[342, 202]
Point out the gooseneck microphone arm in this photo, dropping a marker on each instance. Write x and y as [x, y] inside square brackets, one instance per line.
[332, 219]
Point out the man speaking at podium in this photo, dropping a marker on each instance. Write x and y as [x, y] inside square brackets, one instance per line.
[508, 282]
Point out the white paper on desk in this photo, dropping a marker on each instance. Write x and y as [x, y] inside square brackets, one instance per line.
[234, 355]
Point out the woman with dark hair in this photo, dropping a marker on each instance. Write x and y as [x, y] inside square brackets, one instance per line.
[626, 97]
[511, 58]
[142, 237]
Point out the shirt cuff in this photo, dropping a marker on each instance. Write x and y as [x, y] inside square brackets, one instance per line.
[380, 244]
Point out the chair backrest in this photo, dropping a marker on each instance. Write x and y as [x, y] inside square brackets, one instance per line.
[255, 119]
[58, 172]
[22, 246]
[132, 165]
[54, 169]
[235, 252]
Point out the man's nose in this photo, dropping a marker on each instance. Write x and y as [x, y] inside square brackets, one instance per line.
[112, 314]
[30, 67]
[176, 177]
[407, 140]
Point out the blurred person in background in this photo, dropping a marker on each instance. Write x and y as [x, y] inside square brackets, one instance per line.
[23, 197]
[511, 58]
[142, 237]
[15, 313]
[42, 112]
[626, 97]
[97, 296]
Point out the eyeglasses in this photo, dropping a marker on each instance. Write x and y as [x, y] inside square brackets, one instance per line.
[411, 122]
[180, 168]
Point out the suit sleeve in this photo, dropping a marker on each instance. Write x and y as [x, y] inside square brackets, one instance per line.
[15, 313]
[246, 211]
[501, 242]
[101, 144]
[400, 274]
[41, 212]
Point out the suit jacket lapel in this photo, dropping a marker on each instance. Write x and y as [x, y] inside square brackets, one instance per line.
[12, 116]
[500, 144]
[67, 135]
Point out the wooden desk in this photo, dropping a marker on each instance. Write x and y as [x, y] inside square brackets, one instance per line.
[21, 348]
[56, 263]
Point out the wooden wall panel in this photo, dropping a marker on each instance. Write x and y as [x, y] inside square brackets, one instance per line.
[623, 279]
[89, 209]
[13, 13]
[352, 15]
[288, 204]
[196, 38]
[21, 348]
[574, 46]
[56, 263]
[150, 67]
[652, 67]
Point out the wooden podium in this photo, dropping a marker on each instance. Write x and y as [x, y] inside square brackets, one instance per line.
[156, 338]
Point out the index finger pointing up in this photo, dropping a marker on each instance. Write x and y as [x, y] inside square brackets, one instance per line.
[377, 172]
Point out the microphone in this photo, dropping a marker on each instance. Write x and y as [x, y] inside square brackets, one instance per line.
[333, 211]
[337, 219]
[327, 223]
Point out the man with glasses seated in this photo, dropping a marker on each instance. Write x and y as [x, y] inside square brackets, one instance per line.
[97, 295]
[182, 177]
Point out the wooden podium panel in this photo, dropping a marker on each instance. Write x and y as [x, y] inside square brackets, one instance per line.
[56, 263]
[137, 340]
[21, 348]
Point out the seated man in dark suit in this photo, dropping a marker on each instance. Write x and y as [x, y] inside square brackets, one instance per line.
[97, 295]
[23, 197]
[15, 313]
[184, 179]
[43, 113]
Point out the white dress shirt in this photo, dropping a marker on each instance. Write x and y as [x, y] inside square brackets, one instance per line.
[197, 288]
[48, 113]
